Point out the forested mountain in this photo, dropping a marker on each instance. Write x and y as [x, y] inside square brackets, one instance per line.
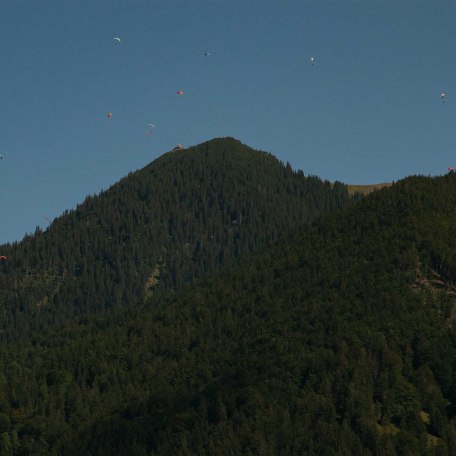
[188, 212]
[338, 340]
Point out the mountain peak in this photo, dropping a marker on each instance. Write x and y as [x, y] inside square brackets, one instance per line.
[185, 214]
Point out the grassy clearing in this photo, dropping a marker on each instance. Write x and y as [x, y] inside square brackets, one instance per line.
[365, 189]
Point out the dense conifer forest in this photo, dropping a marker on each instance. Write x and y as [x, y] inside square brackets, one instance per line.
[328, 332]
[188, 212]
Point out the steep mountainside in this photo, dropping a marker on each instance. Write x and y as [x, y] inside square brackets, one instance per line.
[189, 212]
[337, 341]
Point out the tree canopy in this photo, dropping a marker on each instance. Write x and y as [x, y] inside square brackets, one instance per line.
[336, 337]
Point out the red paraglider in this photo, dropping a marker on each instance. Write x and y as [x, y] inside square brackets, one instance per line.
[180, 92]
[109, 115]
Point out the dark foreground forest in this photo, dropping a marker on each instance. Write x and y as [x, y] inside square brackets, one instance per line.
[336, 339]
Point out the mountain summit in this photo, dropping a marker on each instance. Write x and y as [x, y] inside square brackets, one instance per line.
[188, 212]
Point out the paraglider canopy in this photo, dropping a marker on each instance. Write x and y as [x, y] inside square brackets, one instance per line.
[117, 40]
[180, 92]
[109, 115]
[442, 96]
[3, 258]
[450, 169]
[149, 130]
[312, 60]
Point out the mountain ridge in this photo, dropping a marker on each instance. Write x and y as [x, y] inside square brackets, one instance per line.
[188, 212]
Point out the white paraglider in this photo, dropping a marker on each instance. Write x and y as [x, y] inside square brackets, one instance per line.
[116, 40]
[149, 130]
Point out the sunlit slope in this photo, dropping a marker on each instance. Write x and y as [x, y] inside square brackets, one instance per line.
[339, 340]
[366, 189]
[188, 212]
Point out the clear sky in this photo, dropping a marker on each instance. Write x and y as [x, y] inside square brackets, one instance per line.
[368, 111]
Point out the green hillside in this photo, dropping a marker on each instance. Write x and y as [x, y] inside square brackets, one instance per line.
[188, 212]
[336, 341]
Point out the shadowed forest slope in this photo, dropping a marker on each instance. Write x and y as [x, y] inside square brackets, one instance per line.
[336, 341]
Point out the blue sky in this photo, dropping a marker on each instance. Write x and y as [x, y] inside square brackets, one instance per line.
[368, 110]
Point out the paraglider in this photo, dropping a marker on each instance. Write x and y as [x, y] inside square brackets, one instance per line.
[206, 54]
[442, 96]
[450, 169]
[109, 115]
[149, 130]
[1, 157]
[116, 40]
[180, 92]
[3, 258]
[312, 60]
